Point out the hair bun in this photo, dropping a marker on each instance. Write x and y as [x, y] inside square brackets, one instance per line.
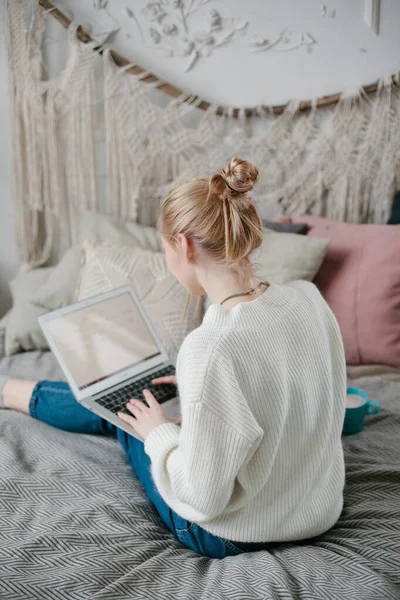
[240, 175]
[217, 187]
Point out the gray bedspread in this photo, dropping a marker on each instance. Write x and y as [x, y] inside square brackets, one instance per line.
[76, 524]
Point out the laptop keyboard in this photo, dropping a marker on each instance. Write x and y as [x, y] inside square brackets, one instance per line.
[116, 401]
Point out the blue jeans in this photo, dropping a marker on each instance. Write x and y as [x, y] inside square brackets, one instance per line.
[54, 403]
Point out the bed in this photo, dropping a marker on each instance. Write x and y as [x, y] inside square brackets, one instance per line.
[75, 523]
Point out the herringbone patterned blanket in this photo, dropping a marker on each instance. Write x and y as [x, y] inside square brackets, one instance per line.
[75, 523]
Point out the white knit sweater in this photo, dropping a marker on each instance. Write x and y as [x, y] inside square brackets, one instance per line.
[262, 386]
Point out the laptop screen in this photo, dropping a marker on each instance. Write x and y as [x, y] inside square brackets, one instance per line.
[103, 339]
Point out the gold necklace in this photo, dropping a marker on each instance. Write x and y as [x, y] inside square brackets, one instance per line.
[244, 293]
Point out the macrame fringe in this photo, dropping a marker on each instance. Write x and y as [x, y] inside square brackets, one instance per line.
[341, 162]
[53, 135]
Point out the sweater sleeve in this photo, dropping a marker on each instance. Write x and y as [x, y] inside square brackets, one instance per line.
[195, 467]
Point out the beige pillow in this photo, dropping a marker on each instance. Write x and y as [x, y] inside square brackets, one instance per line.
[41, 290]
[285, 257]
[4, 320]
[60, 288]
[22, 329]
[106, 267]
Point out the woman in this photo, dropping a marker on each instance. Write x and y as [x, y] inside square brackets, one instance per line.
[258, 458]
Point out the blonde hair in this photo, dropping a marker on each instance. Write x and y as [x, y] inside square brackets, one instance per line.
[218, 214]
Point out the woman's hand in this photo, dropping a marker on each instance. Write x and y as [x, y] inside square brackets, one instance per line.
[165, 380]
[146, 418]
[168, 379]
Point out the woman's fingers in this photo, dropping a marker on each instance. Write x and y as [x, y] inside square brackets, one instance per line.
[167, 379]
[151, 401]
[135, 407]
[127, 419]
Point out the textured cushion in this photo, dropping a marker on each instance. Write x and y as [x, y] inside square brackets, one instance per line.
[285, 257]
[106, 267]
[60, 288]
[4, 320]
[284, 227]
[360, 280]
[41, 290]
[22, 329]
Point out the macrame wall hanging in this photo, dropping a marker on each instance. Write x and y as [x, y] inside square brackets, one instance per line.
[341, 162]
[53, 134]
[344, 164]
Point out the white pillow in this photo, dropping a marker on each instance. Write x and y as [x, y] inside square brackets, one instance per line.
[4, 320]
[285, 257]
[22, 329]
[60, 288]
[41, 290]
[106, 267]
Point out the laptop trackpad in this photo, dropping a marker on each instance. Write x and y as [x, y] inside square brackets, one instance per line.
[172, 408]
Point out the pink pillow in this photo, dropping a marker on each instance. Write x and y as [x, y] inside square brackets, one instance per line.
[360, 280]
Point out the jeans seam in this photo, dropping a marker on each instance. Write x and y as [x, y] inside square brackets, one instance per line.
[232, 546]
[33, 399]
[39, 387]
[184, 530]
[55, 389]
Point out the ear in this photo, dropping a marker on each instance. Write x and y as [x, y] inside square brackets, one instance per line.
[187, 247]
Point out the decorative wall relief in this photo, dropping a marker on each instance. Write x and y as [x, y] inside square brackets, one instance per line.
[105, 24]
[169, 27]
[128, 12]
[372, 9]
[100, 4]
[286, 41]
[326, 11]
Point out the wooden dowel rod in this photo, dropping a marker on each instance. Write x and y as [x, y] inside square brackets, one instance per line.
[169, 89]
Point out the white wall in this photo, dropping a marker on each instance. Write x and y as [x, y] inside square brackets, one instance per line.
[234, 76]
[346, 53]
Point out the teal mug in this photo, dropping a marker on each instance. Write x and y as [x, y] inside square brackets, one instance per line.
[358, 406]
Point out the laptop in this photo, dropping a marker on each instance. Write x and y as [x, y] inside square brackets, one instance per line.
[109, 352]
